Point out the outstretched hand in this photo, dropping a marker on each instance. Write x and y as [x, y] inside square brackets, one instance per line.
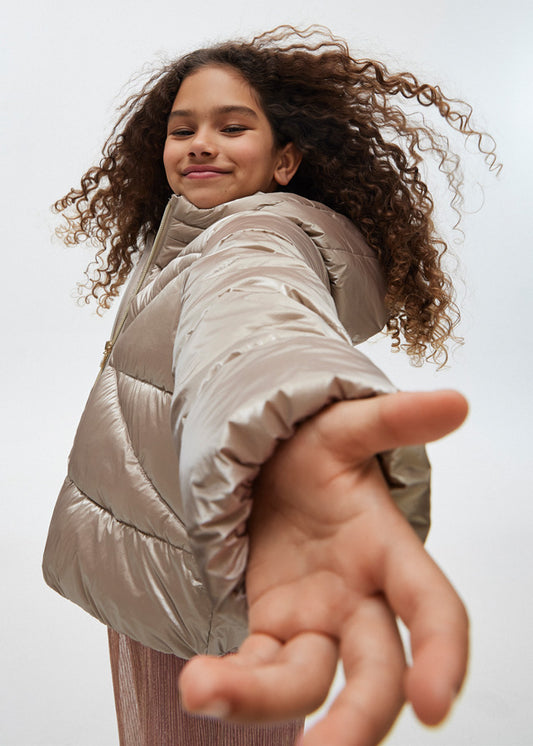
[332, 563]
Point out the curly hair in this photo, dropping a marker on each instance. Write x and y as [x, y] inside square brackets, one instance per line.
[361, 157]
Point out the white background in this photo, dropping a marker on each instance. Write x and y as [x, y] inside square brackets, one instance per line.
[63, 65]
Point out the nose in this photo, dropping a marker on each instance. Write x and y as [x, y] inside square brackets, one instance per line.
[202, 144]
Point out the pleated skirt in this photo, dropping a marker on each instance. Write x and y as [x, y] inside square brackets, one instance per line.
[149, 711]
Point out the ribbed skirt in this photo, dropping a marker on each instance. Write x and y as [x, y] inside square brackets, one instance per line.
[149, 712]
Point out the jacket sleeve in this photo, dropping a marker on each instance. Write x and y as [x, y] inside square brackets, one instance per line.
[259, 348]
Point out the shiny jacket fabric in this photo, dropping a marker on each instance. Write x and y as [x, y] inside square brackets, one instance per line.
[243, 326]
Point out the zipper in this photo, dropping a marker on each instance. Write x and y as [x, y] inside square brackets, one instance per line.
[108, 349]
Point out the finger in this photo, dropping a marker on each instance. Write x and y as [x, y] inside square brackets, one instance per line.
[374, 665]
[439, 642]
[359, 429]
[423, 597]
[266, 681]
[438, 671]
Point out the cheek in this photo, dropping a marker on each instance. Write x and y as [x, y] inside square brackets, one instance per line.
[170, 163]
[172, 154]
[254, 160]
[167, 156]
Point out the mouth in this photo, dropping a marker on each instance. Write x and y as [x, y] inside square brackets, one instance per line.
[203, 172]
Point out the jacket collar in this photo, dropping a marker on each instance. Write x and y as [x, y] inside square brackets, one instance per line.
[355, 277]
[185, 221]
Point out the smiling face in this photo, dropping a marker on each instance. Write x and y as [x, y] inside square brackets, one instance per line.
[220, 145]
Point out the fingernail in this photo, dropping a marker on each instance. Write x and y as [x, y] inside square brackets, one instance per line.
[218, 708]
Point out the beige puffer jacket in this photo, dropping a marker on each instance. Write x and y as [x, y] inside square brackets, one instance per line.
[242, 328]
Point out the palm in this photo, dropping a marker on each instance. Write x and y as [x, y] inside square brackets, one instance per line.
[331, 562]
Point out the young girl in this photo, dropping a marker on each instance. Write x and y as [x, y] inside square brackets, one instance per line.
[266, 199]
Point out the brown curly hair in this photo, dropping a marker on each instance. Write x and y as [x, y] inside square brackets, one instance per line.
[361, 157]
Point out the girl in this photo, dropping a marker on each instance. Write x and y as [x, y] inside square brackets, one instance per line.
[266, 199]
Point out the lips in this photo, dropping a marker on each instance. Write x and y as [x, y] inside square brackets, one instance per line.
[203, 170]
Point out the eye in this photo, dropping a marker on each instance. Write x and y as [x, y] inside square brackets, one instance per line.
[181, 132]
[233, 129]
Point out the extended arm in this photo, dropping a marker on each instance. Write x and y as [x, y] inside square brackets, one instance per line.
[260, 349]
[332, 561]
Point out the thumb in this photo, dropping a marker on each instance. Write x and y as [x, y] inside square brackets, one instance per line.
[358, 429]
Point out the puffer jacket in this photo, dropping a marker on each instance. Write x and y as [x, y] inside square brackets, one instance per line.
[243, 326]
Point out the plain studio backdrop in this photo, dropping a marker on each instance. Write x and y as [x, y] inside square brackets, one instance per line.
[64, 66]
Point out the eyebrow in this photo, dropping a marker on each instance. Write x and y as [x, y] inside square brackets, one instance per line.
[229, 109]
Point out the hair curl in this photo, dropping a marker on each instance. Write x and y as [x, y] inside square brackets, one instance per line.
[361, 157]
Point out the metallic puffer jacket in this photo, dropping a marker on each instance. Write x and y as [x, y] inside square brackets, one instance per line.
[243, 326]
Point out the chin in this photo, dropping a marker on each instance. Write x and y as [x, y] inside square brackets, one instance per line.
[204, 202]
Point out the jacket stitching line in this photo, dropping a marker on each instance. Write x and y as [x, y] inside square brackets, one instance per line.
[125, 523]
[141, 468]
[141, 380]
[209, 629]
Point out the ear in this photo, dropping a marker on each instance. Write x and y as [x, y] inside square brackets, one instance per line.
[288, 161]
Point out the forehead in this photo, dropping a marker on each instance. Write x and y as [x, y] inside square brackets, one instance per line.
[216, 85]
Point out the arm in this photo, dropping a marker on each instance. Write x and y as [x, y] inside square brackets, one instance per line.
[259, 349]
[331, 562]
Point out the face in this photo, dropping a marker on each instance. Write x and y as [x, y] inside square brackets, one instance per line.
[220, 145]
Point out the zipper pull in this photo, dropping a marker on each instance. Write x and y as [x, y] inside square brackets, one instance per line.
[107, 352]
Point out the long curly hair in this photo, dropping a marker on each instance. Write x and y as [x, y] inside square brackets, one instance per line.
[361, 156]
